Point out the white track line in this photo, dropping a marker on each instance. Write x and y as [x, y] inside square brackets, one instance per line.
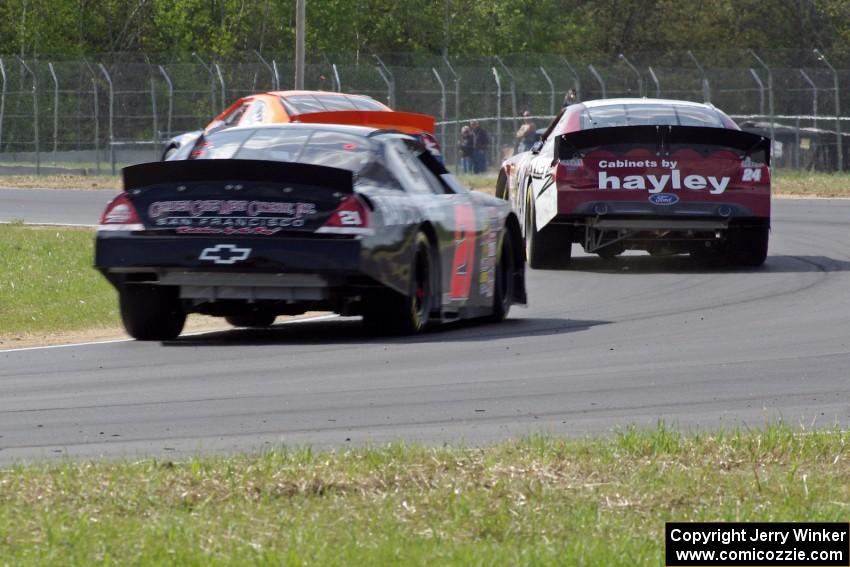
[128, 340]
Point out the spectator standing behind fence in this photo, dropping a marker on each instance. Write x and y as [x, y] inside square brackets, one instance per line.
[480, 145]
[465, 144]
[570, 98]
[527, 133]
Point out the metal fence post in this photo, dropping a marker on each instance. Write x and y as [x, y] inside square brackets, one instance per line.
[576, 78]
[456, 79]
[598, 78]
[498, 109]
[55, 110]
[389, 79]
[442, 106]
[275, 86]
[34, 114]
[212, 82]
[770, 100]
[628, 63]
[276, 73]
[336, 78]
[814, 97]
[96, 113]
[706, 86]
[2, 100]
[551, 90]
[514, 111]
[170, 100]
[657, 83]
[155, 133]
[111, 116]
[221, 81]
[837, 109]
[761, 90]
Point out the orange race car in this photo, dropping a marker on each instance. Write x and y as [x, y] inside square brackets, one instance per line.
[313, 106]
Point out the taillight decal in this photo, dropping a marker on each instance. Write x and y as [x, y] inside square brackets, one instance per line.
[350, 217]
[120, 214]
[464, 256]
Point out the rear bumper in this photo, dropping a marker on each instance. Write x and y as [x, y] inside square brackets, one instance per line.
[117, 253]
[247, 269]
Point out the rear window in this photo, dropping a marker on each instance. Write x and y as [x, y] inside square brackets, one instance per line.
[289, 144]
[649, 115]
[304, 104]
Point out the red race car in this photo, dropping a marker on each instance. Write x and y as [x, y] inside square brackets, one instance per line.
[278, 107]
[665, 176]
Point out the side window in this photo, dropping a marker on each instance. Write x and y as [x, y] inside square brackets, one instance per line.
[234, 117]
[254, 114]
[409, 171]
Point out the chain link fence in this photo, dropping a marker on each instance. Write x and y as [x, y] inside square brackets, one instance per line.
[99, 114]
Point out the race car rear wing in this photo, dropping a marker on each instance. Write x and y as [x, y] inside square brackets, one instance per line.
[235, 170]
[663, 137]
[407, 122]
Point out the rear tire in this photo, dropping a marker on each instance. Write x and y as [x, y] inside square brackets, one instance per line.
[390, 312]
[252, 319]
[548, 248]
[747, 246]
[504, 285]
[150, 312]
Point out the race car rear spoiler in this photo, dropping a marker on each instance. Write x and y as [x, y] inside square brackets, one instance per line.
[182, 171]
[568, 145]
[407, 122]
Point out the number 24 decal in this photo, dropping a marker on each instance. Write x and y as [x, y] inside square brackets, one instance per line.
[464, 258]
[752, 174]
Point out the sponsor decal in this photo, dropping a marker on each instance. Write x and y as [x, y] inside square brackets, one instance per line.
[269, 225]
[223, 207]
[658, 183]
[487, 264]
[224, 254]
[664, 199]
[653, 183]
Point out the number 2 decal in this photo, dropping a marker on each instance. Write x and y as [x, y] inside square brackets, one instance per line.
[464, 258]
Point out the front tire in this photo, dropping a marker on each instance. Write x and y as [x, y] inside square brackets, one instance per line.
[390, 312]
[151, 312]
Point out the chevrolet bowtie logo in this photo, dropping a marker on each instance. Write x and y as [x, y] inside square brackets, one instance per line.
[224, 254]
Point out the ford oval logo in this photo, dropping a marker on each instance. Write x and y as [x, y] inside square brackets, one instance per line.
[663, 199]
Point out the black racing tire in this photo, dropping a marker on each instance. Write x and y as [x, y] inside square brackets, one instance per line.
[503, 291]
[550, 248]
[252, 319]
[151, 312]
[393, 313]
[747, 245]
[169, 151]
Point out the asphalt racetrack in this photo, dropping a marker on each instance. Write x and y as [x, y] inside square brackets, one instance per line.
[603, 345]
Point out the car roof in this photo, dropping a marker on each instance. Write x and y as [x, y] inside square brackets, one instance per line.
[644, 101]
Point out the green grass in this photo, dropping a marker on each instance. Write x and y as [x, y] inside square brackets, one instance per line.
[809, 184]
[47, 282]
[540, 500]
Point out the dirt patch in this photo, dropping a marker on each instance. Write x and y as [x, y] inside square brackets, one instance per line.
[194, 324]
[93, 182]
